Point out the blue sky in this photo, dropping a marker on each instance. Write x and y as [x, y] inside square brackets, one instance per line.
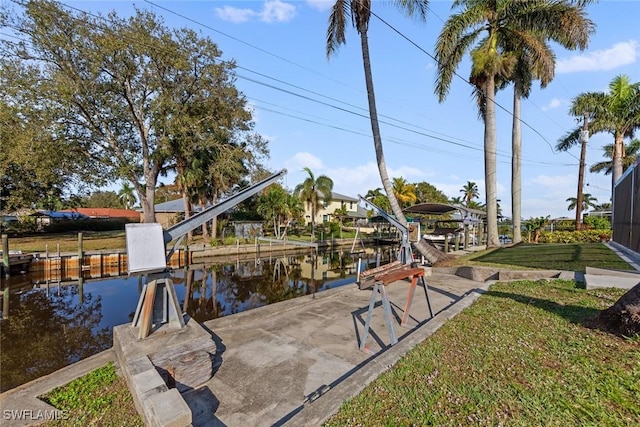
[314, 111]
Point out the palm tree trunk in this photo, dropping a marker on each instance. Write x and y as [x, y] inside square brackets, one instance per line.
[430, 253]
[584, 139]
[616, 159]
[490, 146]
[375, 129]
[516, 167]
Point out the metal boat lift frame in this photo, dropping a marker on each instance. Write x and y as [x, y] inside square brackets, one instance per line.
[405, 254]
[147, 255]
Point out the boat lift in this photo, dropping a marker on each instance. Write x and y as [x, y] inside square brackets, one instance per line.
[405, 254]
[147, 255]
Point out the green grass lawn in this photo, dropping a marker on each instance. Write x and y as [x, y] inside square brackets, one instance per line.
[521, 355]
[571, 257]
[99, 398]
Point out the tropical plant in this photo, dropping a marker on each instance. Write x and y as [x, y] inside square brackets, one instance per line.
[535, 226]
[426, 192]
[359, 13]
[404, 192]
[470, 192]
[509, 26]
[597, 222]
[616, 112]
[587, 201]
[126, 196]
[563, 22]
[273, 205]
[314, 191]
[583, 106]
[456, 201]
[378, 198]
[632, 153]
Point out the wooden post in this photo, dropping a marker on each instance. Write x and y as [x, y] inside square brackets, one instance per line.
[80, 287]
[5, 302]
[457, 242]
[446, 243]
[5, 254]
[80, 254]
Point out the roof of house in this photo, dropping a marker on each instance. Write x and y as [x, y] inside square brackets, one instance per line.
[342, 197]
[107, 213]
[173, 206]
[59, 215]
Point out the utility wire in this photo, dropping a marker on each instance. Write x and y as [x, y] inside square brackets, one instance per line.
[315, 93]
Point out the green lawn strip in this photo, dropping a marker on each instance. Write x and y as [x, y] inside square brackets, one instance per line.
[99, 398]
[521, 355]
[570, 257]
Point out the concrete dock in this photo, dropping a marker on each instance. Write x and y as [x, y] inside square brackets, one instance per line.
[292, 362]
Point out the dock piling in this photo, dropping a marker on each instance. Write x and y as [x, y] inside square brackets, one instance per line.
[5, 254]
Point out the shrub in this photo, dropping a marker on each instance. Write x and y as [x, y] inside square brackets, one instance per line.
[582, 236]
[597, 222]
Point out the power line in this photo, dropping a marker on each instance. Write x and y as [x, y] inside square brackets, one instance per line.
[460, 77]
[313, 92]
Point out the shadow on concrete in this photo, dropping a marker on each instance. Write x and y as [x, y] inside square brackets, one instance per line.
[220, 349]
[203, 404]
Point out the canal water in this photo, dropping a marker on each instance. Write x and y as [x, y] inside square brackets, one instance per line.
[49, 324]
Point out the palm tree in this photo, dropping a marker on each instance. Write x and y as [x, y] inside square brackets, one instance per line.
[510, 26]
[456, 201]
[632, 153]
[584, 105]
[587, 201]
[359, 13]
[314, 191]
[566, 24]
[272, 205]
[126, 195]
[404, 192]
[470, 191]
[621, 117]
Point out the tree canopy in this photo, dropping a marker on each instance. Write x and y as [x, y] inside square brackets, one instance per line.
[129, 96]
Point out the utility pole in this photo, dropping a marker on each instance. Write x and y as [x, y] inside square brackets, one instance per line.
[584, 139]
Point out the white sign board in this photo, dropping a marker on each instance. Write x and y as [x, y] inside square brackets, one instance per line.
[145, 248]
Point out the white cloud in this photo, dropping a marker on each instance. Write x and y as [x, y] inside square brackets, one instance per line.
[547, 194]
[352, 181]
[298, 161]
[277, 11]
[272, 11]
[556, 185]
[553, 104]
[228, 13]
[623, 53]
[321, 5]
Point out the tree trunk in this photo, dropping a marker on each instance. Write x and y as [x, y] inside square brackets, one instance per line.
[584, 139]
[616, 160]
[490, 146]
[187, 212]
[623, 317]
[430, 253]
[147, 200]
[516, 168]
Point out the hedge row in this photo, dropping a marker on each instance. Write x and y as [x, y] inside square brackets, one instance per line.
[582, 236]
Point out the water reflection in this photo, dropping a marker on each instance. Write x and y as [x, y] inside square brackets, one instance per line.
[47, 326]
